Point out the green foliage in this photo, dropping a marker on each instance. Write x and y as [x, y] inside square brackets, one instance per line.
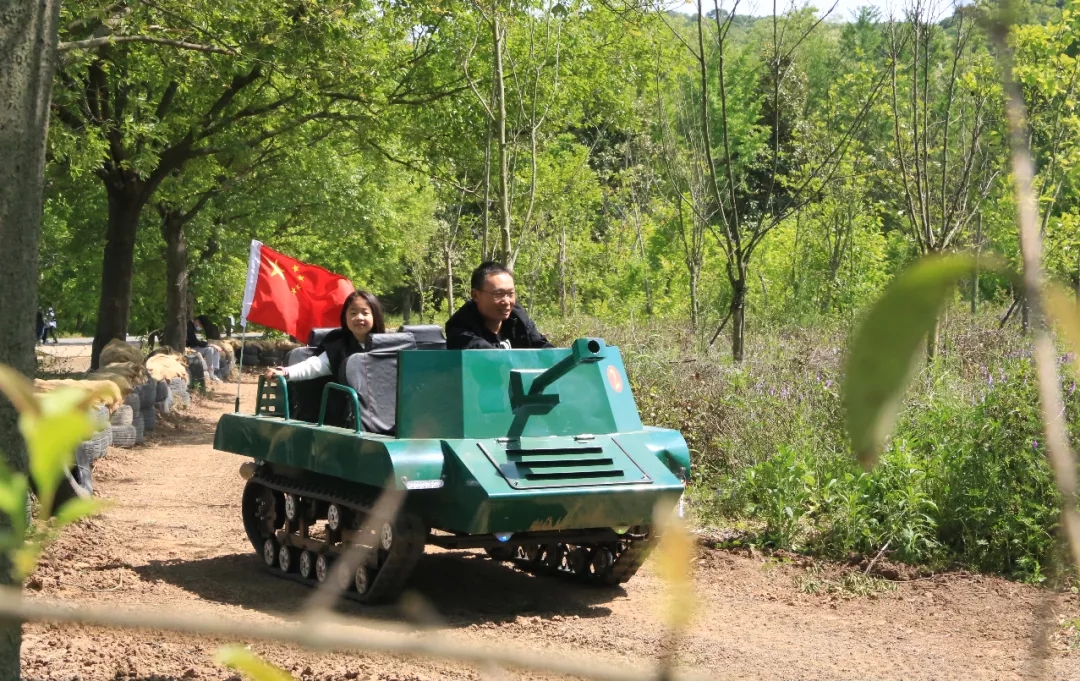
[52, 424]
[962, 480]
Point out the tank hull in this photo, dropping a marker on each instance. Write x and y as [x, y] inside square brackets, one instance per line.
[481, 486]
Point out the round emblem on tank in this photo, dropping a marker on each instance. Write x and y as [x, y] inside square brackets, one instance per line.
[614, 378]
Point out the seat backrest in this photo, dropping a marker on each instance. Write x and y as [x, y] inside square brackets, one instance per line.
[297, 355]
[428, 336]
[373, 375]
[305, 397]
[316, 335]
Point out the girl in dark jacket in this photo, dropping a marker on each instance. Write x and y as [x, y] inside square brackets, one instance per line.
[361, 316]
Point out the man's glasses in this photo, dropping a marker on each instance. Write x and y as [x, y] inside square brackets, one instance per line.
[500, 295]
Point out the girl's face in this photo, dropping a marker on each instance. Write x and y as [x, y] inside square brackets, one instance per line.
[359, 318]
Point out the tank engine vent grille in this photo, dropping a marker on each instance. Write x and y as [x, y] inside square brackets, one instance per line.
[601, 464]
[563, 463]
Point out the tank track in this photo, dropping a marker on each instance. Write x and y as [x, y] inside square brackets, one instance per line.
[555, 559]
[391, 567]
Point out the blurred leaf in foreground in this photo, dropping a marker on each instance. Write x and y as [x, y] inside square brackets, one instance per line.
[1064, 312]
[243, 660]
[52, 424]
[888, 344]
[675, 556]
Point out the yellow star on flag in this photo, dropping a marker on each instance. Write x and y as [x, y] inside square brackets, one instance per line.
[295, 268]
[294, 290]
[276, 270]
[299, 277]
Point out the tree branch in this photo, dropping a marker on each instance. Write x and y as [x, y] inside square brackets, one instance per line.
[117, 39]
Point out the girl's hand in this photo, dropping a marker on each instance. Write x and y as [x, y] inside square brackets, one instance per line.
[272, 372]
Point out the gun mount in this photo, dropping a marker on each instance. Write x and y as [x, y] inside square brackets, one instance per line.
[527, 385]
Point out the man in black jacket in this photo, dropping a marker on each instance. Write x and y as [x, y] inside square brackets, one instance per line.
[492, 319]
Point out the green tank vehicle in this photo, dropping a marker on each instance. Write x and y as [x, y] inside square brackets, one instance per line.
[538, 457]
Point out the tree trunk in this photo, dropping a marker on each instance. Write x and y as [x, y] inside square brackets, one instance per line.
[28, 52]
[933, 339]
[562, 272]
[176, 281]
[449, 281]
[738, 317]
[505, 253]
[125, 207]
[644, 264]
[406, 306]
[975, 274]
[694, 276]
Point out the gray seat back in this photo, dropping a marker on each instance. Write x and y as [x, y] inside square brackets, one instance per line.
[297, 355]
[305, 397]
[428, 336]
[373, 375]
[316, 335]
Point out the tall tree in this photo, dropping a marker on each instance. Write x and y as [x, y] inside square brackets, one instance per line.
[28, 37]
[137, 107]
[941, 121]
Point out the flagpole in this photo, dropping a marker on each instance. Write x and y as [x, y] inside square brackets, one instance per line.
[254, 258]
[240, 367]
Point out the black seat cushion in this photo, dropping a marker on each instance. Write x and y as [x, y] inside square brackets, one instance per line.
[305, 397]
[316, 335]
[428, 336]
[373, 375]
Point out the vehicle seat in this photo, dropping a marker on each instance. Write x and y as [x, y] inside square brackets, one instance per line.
[315, 336]
[373, 375]
[305, 397]
[428, 336]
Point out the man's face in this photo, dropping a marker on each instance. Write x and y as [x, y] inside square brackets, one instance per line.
[496, 300]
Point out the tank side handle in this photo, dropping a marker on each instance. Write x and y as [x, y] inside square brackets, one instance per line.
[352, 396]
[272, 400]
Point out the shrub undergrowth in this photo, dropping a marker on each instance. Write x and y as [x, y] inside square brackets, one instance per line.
[963, 482]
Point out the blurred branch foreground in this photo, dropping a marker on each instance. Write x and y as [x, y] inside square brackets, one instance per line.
[327, 633]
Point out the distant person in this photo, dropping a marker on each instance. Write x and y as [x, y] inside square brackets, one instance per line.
[209, 353]
[39, 326]
[50, 327]
[492, 319]
[210, 329]
[361, 316]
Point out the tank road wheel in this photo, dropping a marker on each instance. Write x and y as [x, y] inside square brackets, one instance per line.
[286, 558]
[291, 507]
[322, 568]
[600, 565]
[307, 564]
[334, 516]
[529, 553]
[401, 543]
[362, 580]
[270, 552]
[263, 511]
[578, 560]
[553, 556]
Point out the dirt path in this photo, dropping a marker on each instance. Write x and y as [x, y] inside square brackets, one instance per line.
[173, 539]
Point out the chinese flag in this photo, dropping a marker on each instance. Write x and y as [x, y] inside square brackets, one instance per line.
[285, 294]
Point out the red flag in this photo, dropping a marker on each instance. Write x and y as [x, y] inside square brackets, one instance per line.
[285, 294]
